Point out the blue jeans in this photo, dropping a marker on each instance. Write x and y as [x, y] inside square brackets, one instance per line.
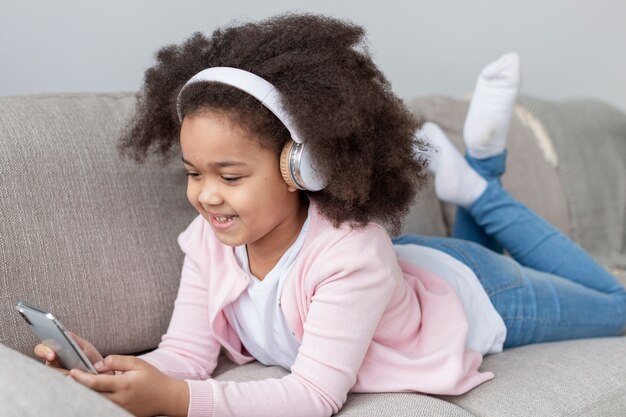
[549, 289]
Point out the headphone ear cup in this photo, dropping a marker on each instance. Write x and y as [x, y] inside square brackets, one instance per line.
[285, 156]
[296, 167]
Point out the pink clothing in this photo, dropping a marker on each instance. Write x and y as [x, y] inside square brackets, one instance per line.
[365, 322]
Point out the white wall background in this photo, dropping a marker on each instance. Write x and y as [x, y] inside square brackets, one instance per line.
[568, 48]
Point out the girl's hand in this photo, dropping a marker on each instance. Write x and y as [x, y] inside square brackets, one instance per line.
[140, 388]
[49, 356]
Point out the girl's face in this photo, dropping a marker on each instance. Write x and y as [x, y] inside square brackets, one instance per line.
[236, 185]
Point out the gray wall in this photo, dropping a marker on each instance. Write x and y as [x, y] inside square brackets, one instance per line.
[568, 48]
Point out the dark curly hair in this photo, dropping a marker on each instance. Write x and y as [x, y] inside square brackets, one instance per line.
[361, 135]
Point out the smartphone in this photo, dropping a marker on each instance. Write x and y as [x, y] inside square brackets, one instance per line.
[54, 335]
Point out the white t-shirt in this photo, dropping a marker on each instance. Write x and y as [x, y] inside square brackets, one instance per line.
[258, 320]
[256, 315]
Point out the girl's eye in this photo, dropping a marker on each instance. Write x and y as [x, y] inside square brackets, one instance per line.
[192, 174]
[230, 179]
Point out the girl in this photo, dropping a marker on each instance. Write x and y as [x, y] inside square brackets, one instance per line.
[295, 146]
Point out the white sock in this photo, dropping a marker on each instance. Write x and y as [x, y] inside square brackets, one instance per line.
[491, 108]
[455, 181]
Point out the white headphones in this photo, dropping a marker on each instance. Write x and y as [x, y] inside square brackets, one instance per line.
[295, 161]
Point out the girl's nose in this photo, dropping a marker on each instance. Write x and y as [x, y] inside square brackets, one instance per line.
[209, 197]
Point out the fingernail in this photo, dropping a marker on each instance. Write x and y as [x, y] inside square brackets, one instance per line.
[99, 365]
[50, 356]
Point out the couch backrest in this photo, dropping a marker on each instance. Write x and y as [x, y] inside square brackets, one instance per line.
[85, 233]
[92, 236]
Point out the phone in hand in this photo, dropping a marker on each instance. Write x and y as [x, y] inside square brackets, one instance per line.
[54, 335]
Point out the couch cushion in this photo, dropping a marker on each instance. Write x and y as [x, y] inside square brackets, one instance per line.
[570, 378]
[357, 405]
[27, 388]
[84, 233]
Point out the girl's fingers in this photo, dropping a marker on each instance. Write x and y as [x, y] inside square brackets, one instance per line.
[44, 352]
[49, 357]
[100, 382]
[118, 363]
[54, 365]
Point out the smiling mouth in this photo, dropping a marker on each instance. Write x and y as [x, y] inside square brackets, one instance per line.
[223, 222]
[224, 219]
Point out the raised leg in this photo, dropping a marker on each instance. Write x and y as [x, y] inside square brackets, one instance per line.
[466, 228]
[473, 183]
[485, 132]
[531, 240]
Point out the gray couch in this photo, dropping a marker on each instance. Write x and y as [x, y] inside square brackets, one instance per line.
[92, 237]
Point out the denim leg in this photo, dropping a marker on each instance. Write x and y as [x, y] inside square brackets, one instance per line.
[550, 308]
[464, 225]
[535, 306]
[466, 228]
[535, 243]
[552, 289]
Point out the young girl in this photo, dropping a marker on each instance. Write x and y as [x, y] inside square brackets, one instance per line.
[295, 147]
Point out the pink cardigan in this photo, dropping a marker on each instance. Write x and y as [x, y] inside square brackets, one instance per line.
[365, 322]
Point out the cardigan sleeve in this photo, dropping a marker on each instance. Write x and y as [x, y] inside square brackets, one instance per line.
[355, 279]
[188, 350]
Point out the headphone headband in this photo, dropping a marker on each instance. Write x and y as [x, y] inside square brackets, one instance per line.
[252, 84]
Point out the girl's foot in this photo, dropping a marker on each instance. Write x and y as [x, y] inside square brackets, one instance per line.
[491, 108]
[455, 181]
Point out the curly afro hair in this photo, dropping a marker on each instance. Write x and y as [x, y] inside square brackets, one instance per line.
[361, 136]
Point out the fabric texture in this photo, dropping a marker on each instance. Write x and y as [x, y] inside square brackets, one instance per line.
[84, 233]
[576, 378]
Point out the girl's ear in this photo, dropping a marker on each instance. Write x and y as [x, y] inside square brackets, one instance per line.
[291, 188]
